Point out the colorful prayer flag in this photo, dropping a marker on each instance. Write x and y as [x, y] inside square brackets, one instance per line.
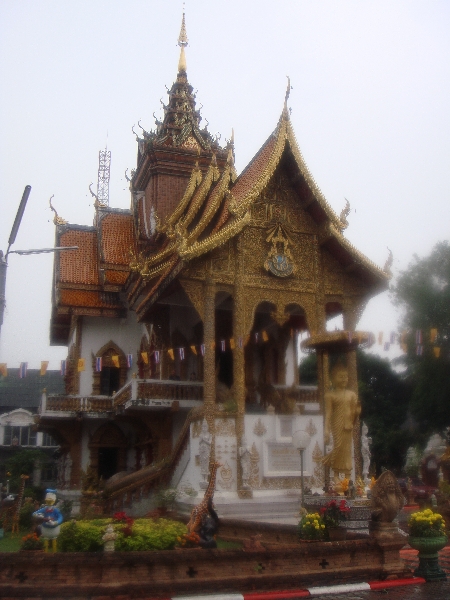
[202, 349]
[170, 353]
[129, 360]
[387, 345]
[437, 351]
[98, 364]
[194, 350]
[392, 337]
[4, 369]
[380, 337]
[44, 365]
[63, 368]
[81, 365]
[350, 336]
[145, 357]
[23, 370]
[404, 347]
[181, 353]
[157, 356]
[115, 360]
[232, 344]
[265, 337]
[433, 335]
[419, 336]
[240, 343]
[256, 337]
[419, 350]
[222, 345]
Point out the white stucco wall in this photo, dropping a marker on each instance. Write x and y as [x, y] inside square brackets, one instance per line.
[97, 331]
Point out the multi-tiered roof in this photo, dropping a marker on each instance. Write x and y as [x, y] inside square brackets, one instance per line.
[187, 201]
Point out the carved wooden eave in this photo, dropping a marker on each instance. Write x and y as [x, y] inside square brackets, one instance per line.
[256, 176]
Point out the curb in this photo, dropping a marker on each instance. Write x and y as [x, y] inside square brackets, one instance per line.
[309, 592]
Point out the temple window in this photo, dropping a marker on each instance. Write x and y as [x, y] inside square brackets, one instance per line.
[19, 436]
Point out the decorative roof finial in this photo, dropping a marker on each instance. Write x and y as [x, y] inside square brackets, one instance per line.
[182, 42]
[288, 91]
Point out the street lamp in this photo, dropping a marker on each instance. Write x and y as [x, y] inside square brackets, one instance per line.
[301, 439]
[11, 240]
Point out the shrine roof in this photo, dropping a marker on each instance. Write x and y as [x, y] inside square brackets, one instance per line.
[217, 207]
[87, 298]
[117, 236]
[78, 266]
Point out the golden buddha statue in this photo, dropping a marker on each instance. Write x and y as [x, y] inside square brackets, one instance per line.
[341, 411]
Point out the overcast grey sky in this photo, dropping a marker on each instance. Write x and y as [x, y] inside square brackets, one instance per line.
[370, 107]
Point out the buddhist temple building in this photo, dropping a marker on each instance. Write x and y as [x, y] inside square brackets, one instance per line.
[183, 316]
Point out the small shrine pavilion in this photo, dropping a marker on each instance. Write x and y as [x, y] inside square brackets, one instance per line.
[183, 315]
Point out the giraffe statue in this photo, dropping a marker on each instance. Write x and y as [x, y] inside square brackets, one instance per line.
[203, 508]
[15, 519]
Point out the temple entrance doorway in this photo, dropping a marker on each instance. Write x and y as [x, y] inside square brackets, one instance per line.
[107, 462]
[109, 381]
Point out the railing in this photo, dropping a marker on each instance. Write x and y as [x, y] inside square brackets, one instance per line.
[169, 390]
[302, 394]
[139, 484]
[78, 404]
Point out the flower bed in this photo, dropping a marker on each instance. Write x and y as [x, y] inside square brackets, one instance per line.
[138, 535]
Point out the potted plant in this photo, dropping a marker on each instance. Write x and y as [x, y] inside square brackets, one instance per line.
[427, 535]
[32, 542]
[333, 513]
[312, 527]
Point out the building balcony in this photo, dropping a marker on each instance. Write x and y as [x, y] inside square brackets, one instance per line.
[153, 394]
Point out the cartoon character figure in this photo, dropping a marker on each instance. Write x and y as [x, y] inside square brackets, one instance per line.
[50, 519]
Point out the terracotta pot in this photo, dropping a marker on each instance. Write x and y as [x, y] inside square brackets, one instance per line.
[337, 534]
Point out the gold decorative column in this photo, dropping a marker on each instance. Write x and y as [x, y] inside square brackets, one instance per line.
[209, 377]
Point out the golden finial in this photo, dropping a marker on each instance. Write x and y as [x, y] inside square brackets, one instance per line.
[182, 42]
[388, 263]
[57, 220]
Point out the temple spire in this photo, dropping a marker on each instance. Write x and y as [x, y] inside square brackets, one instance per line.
[182, 42]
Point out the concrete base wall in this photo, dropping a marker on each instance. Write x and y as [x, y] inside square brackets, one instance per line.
[127, 575]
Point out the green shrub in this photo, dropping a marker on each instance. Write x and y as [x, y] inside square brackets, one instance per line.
[82, 536]
[146, 534]
[25, 515]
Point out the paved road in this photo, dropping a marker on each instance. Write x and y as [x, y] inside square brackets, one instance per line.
[425, 591]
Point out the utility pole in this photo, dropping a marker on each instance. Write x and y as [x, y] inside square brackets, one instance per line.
[11, 240]
[4, 258]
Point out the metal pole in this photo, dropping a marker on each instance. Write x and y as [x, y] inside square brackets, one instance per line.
[301, 475]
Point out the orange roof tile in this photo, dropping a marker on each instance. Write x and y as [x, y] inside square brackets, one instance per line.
[79, 266]
[253, 170]
[89, 299]
[117, 237]
[116, 277]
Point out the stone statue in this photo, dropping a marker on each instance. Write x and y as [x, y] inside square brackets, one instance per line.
[365, 451]
[204, 452]
[387, 498]
[244, 456]
[341, 411]
[109, 538]
[67, 471]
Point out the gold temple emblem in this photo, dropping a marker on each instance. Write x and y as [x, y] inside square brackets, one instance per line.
[279, 260]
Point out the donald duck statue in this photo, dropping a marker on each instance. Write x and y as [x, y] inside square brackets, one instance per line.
[50, 519]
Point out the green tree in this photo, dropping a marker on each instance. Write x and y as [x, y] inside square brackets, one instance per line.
[22, 463]
[422, 291]
[385, 398]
